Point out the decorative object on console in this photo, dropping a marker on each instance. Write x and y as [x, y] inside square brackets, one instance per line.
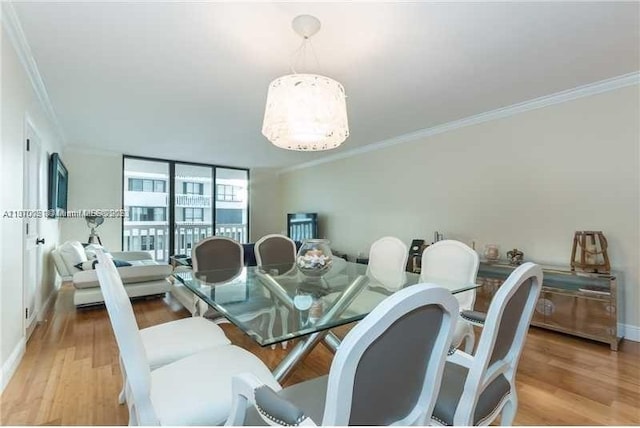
[592, 255]
[515, 257]
[314, 257]
[305, 112]
[492, 253]
[415, 255]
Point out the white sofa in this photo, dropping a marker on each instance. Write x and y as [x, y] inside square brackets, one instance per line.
[145, 277]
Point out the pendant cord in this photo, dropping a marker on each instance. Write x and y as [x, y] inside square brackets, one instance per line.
[301, 53]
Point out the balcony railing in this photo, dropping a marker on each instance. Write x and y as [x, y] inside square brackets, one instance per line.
[233, 231]
[186, 236]
[193, 200]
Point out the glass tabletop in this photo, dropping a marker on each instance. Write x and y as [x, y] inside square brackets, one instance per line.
[274, 303]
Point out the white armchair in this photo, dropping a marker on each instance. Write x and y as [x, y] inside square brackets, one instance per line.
[144, 276]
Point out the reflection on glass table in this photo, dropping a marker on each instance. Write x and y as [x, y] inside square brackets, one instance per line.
[309, 306]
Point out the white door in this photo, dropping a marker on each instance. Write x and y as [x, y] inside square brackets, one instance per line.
[34, 209]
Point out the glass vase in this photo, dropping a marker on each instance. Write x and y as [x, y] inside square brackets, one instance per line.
[314, 257]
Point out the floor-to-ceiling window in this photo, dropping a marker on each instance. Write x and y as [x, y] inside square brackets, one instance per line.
[171, 205]
[232, 203]
[146, 203]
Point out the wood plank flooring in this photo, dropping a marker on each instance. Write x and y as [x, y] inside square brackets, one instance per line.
[70, 373]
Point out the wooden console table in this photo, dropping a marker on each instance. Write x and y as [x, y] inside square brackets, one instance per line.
[577, 303]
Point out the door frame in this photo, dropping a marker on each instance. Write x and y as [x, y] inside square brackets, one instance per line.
[32, 144]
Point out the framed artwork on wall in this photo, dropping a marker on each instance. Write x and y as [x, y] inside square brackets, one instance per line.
[58, 185]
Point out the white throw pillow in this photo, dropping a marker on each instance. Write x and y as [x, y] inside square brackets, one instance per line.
[72, 253]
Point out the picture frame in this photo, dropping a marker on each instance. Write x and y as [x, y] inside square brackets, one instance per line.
[58, 186]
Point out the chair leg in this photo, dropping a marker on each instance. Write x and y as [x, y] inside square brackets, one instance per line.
[123, 393]
[509, 410]
[284, 316]
[469, 340]
[272, 320]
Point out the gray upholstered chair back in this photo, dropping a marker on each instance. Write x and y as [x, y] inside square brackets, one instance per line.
[510, 321]
[388, 368]
[500, 345]
[508, 318]
[221, 258]
[390, 373]
[276, 252]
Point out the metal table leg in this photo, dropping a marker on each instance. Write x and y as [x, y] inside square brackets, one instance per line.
[332, 342]
[305, 346]
[296, 355]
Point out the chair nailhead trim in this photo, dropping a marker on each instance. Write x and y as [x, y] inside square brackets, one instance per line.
[471, 319]
[270, 417]
[440, 421]
[278, 421]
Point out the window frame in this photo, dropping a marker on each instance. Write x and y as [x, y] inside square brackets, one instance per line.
[170, 215]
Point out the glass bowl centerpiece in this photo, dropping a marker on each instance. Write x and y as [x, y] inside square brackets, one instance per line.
[314, 257]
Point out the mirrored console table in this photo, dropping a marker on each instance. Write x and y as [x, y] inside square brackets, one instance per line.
[577, 303]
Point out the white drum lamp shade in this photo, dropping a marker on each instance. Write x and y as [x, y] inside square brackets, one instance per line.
[305, 112]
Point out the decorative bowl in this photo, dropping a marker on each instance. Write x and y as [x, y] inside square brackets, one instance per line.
[314, 257]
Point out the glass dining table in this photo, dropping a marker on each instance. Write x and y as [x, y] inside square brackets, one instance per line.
[276, 303]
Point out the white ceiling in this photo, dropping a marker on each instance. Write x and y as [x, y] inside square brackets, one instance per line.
[188, 81]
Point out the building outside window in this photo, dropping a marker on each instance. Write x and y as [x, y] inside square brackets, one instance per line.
[193, 188]
[147, 185]
[193, 214]
[147, 243]
[226, 192]
[147, 214]
[229, 216]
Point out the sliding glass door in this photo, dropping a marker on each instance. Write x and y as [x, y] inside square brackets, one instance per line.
[172, 205]
[146, 203]
[193, 206]
[232, 205]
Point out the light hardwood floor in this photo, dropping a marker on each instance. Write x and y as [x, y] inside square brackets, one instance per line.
[70, 374]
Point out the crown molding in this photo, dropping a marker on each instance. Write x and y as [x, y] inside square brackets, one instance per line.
[88, 150]
[536, 103]
[13, 28]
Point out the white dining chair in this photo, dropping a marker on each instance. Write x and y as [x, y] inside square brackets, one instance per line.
[276, 255]
[168, 342]
[217, 261]
[195, 390]
[276, 252]
[452, 261]
[387, 263]
[477, 388]
[386, 371]
[386, 272]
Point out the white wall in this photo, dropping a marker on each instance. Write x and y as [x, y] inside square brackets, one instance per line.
[265, 207]
[18, 102]
[527, 181]
[95, 183]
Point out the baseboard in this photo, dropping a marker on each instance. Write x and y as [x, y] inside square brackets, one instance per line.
[12, 363]
[629, 332]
